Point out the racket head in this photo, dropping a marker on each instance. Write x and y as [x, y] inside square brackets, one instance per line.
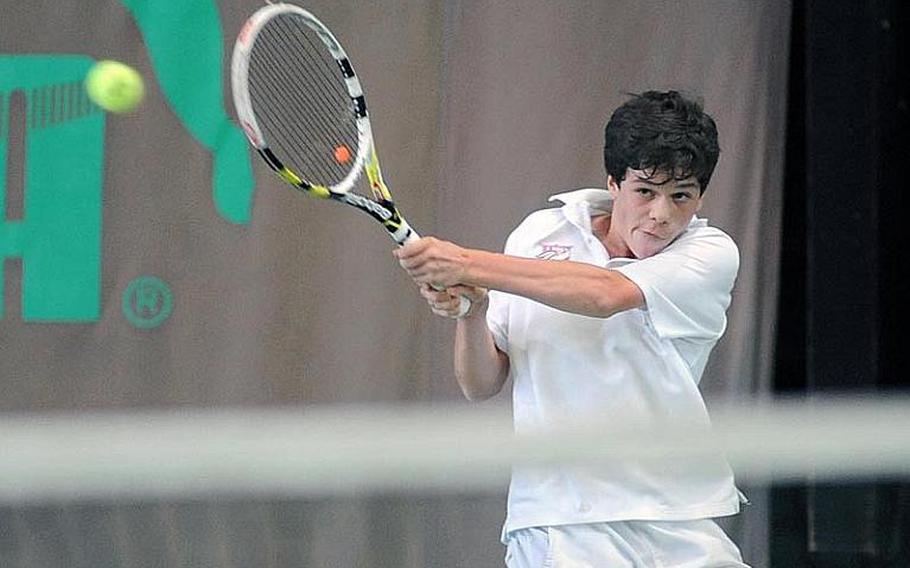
[300, 102]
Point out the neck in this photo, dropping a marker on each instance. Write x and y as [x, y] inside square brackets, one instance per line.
[600, 226]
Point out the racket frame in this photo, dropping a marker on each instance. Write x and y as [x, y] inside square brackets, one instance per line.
[382, 208]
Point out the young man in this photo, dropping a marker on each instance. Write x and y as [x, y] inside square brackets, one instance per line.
[609, 304]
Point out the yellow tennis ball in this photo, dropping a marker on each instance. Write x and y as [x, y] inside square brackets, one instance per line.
[114, 86]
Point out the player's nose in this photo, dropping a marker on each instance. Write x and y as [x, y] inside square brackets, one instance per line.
[661, 210]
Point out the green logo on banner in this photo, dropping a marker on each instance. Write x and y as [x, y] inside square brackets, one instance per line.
[59, 236]
[147, 302]
[186, 47]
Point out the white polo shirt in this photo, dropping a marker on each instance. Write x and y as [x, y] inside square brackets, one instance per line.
[646, 362]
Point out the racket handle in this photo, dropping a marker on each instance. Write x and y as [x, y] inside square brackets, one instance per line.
[464, 306]
[406, 234]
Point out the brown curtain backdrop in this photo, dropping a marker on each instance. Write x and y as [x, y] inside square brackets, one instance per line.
[481, 110]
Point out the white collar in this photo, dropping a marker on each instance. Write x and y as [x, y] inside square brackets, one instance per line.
[596, 198]
[579, 205]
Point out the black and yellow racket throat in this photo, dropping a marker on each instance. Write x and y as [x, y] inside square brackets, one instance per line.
[383, 211]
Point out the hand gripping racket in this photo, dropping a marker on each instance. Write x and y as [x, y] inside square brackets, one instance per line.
[303, 109]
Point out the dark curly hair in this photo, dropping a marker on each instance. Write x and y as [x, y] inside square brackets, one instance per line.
[661, 133]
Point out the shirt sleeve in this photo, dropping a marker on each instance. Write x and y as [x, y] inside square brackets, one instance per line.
[687, 286]
[498, 308]
[498, 319]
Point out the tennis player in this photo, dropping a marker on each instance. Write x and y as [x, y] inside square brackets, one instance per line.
[609, 303]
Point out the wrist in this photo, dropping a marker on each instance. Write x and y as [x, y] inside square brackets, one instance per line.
[478, 309]
[469, 268]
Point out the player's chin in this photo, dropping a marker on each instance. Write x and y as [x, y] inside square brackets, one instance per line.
[648, 249]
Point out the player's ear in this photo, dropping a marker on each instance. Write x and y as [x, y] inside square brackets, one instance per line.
[612, 185]
[700, 202]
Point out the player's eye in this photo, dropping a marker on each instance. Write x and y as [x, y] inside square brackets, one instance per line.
[644, 191]
[682, 196]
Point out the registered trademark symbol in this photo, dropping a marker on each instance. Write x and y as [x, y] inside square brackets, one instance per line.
[147, 302]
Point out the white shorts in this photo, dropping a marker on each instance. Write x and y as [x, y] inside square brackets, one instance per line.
[624, 544]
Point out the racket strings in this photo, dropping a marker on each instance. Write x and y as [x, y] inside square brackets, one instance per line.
[309, 123]
[331, 83]
[329, 75]
[301, 103]
[304, 105]
[285, 137]
[313, 47]
[281, 133]
[310, 60]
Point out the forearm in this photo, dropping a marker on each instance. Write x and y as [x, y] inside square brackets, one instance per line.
[569, 286]
[480, 368]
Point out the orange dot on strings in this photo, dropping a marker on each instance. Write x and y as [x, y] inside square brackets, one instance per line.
[342, 154]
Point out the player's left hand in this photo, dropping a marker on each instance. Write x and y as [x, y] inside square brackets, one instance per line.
[432, 261]
[447, 302]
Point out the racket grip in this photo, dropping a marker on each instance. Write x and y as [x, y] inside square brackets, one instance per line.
[464, 307]
[408, 234]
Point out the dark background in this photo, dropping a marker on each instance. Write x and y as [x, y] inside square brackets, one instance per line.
[844, 263]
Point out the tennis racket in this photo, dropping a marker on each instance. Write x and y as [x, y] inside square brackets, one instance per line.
[302, 107]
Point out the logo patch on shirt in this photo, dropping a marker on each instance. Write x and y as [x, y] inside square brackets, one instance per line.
[553, 251]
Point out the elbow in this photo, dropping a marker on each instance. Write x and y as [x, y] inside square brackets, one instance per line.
[480, 382]
[618, 295]
[475, 392]
[616, 299]
[599, 305]
[478, 395]
[606, 310]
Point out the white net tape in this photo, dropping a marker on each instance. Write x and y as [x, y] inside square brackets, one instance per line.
[338, 450]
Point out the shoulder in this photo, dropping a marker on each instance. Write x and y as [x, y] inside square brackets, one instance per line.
[702, 242]
[687, 286]
[541, 219]
[535, 226]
